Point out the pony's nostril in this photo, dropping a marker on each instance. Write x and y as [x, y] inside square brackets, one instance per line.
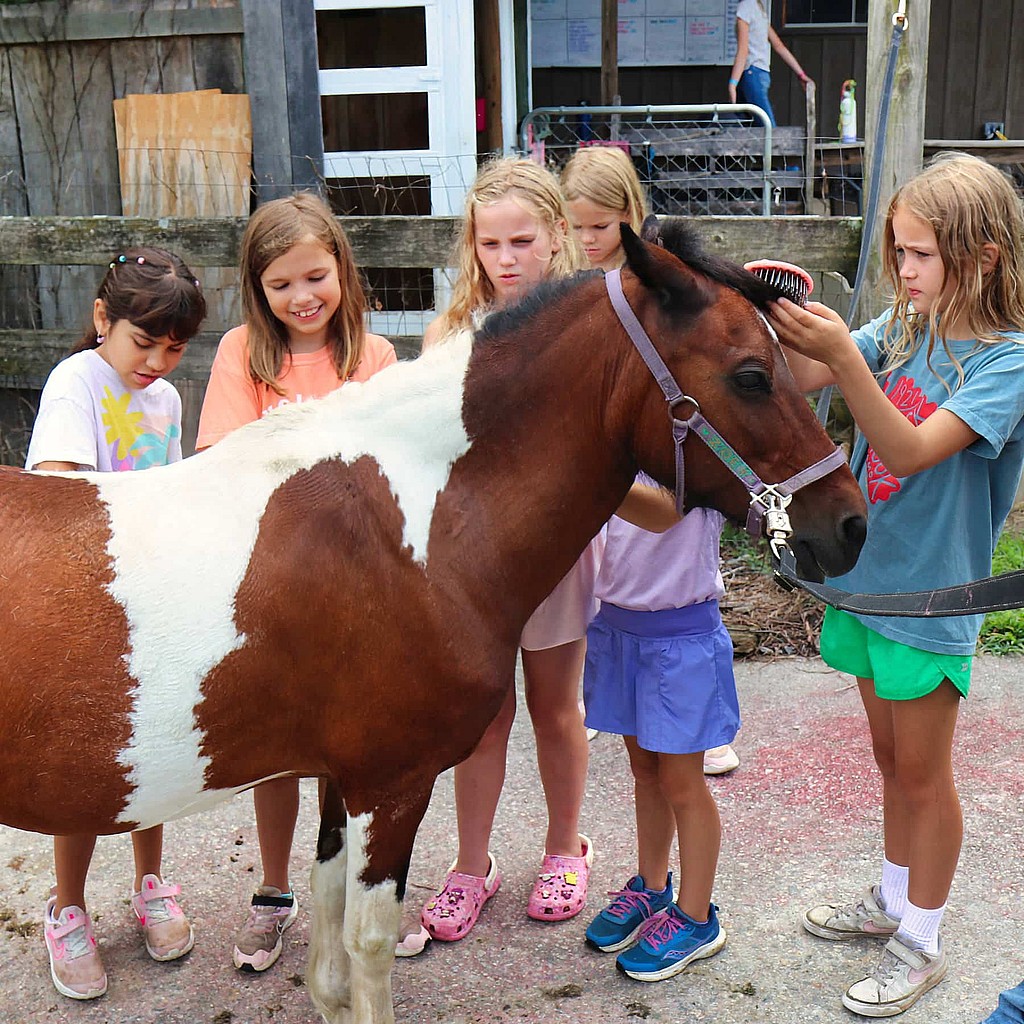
[854, 530]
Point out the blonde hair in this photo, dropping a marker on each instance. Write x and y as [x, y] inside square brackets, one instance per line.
[536, 190]
[968, 203]
[273, 230]
[606, 176]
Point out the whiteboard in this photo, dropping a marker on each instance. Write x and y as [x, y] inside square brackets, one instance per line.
[567, 33]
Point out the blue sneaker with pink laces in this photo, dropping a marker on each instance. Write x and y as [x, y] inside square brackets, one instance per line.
[616, 927]
[670, 941]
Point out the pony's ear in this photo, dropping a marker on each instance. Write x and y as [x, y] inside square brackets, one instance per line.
[679, 290]
[650, 230]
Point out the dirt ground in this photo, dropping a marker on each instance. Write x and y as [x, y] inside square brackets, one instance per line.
[801, 822]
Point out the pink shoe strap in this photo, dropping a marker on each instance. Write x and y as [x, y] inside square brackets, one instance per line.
[162, 891]
[63, 930]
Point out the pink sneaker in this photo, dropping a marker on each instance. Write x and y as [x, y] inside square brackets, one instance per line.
[164, 924]
[560, 891]
[451, 914]
[720, 760]
[75, 964]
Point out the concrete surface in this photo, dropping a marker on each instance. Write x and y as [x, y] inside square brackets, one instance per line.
[801, 818]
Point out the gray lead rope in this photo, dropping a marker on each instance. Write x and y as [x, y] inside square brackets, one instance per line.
[899, 26]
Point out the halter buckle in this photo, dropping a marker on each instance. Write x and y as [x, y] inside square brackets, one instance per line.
[777, 526]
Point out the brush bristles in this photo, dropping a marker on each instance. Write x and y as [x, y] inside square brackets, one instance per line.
[794, 282]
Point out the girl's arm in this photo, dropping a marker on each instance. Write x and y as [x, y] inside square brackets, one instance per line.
[740, 63]
[819, 333]
[56, 467]
[784, 52]
[650, 508]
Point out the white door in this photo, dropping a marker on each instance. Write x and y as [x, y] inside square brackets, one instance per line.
[433, 83]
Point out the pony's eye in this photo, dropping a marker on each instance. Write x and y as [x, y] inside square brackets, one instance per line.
[753, 380]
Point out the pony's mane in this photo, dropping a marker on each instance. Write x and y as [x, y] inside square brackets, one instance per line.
[550, 290]
[677, 237]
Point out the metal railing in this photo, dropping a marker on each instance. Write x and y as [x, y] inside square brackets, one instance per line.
[713, 158]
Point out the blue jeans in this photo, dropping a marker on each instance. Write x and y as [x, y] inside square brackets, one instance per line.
[1010, 1009]
[753, 88]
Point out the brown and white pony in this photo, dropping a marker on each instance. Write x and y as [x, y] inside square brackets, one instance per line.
[338, 590]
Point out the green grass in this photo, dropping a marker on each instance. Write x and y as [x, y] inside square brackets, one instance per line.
[1003, 632]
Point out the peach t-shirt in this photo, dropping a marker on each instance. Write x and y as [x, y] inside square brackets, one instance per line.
[233, 398]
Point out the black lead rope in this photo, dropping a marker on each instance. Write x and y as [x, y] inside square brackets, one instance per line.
[992, 594]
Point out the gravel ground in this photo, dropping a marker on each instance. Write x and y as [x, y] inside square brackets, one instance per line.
[801, 818]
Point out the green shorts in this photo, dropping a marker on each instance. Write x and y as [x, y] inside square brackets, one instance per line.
[899, 672]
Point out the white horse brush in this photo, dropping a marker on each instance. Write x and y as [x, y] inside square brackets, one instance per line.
[793, 281]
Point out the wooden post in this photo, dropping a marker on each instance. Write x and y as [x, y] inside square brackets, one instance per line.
[609, 52]
[279, 50]
[488, 55]
[903, 152]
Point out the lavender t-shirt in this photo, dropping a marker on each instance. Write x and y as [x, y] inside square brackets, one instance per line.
[650, 572]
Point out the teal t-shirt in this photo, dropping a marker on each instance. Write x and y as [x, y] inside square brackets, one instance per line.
[938, 528]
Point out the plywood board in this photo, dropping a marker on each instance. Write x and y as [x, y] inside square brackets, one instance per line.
[188, 154]
[184, 154]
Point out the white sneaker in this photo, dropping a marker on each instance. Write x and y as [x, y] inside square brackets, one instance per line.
[902, 976]
[720, 760]
[852, 920]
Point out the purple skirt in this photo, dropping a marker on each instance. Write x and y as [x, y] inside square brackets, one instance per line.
[664, 677]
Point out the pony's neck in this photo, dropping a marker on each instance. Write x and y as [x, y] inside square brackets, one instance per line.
[549, 463]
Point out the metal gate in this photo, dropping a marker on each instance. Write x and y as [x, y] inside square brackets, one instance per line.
[692, 160]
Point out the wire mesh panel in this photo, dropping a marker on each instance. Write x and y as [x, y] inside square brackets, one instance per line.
[708, 159]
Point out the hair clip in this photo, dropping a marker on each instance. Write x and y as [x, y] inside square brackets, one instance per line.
[122, 258]
[140, 260]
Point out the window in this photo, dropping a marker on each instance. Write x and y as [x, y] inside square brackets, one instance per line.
[825, 12]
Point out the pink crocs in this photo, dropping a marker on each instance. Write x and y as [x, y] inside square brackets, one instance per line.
[560, 891]
[451, 914]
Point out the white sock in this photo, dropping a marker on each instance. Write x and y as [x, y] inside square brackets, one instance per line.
[919, 928]
[894, 888]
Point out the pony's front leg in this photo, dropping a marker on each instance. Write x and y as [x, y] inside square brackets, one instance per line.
[380, 848]
[327, 972]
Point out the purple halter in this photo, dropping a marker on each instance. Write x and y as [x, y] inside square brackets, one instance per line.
[767, 514]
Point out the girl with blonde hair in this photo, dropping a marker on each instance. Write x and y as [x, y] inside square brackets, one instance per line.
[602, 190]
[934, 385]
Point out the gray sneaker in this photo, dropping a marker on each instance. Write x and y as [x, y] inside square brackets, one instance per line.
[258, 942]
[902, 976]
[852, 921]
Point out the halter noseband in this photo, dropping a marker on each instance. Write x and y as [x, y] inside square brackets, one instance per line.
[767, 514]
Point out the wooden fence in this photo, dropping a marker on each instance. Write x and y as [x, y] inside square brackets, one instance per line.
[27, 355]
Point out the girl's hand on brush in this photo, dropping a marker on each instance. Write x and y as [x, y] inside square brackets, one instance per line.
[813, 330]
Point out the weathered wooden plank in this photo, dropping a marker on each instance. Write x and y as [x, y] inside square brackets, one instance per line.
[31, 27]
[212, 242]
[16, 283]
[58, 171]
[828, 243]
[814, 243]
[265, 81]
[27, 356]
[94, 89]
[706, 142]
[305, 127]
[218, 63]
[177, 73]
[134, 66]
